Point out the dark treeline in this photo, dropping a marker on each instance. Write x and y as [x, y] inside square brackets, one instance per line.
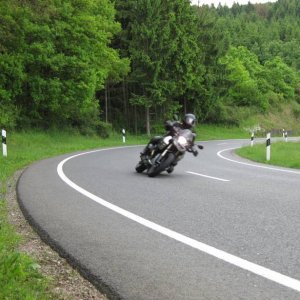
[134, 63]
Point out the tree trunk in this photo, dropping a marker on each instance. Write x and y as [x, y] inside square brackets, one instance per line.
[109, 114]
[106, 104]
[148, 120]
[135, 121]
[125, 101]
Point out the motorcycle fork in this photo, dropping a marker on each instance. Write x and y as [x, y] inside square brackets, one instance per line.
[165, 152]
[157, 161]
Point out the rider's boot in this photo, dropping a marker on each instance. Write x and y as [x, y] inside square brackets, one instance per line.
[171, 168]
[144, 155]
[148, 149]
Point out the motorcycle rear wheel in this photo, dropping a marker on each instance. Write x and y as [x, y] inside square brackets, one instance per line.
[164, 164]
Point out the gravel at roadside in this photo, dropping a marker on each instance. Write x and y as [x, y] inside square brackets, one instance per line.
[66, 282]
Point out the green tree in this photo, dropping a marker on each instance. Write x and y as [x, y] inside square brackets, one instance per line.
[166, 59]
[147, 49]
[65, 58]
[12, 73]
[213, 44]
[282, 78]
[244, 75]
[187, 56]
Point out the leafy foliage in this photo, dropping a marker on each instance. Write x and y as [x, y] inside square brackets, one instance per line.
[77, 63]
[162, 45]
[54, 60]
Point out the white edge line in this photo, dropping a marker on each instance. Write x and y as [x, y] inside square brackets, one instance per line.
[211, 177]
[253, 165]
[239, 262]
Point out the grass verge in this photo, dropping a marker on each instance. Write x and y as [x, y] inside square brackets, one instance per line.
[214, 132]
[282, 154]
[19, 275]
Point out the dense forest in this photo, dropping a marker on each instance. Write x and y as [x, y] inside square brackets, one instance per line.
[92, 64]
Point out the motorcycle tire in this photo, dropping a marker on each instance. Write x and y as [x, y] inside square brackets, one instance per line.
[140, 167]
[164, 164]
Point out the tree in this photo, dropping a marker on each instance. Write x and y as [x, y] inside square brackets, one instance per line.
[213, 44]
[148, 40]
[12, 73]
[166, 61]
[244, 75]
[281, 77]
[65, 56]
[186, 64]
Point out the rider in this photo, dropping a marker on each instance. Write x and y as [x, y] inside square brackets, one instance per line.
[188, 122]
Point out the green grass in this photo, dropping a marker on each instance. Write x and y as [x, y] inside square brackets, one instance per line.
[282, 154]
[214, 132]
[19, 276]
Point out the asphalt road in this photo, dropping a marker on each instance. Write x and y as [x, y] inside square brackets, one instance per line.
[219, 227]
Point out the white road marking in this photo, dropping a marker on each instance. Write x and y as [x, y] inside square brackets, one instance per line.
[222, 255]
[211, 177]
[254, 165]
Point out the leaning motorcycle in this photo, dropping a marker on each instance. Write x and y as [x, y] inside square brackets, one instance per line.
[167, 152]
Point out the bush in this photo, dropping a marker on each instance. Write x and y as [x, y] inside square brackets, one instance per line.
[226, 114]
[158, 129]
[296, 110]
[8, 117]
[103, 129]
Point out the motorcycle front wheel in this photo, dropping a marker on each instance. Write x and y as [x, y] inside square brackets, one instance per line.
[164, 164]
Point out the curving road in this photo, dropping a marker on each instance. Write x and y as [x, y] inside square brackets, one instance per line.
[219, 227]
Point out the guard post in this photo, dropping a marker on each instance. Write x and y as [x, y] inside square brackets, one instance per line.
[4, 146]
[252, 139]
[268, 144]
[286, 136]
[124, 135]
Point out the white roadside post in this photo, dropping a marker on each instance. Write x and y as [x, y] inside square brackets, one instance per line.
[283, 132]
[268, 144]
[124, 135]
[286, 136]
[4, 146]
[252, 138]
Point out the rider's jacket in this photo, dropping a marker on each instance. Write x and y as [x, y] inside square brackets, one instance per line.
[173, 126]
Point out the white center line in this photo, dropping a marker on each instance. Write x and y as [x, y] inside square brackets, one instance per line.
[222, 255]
[211, 177]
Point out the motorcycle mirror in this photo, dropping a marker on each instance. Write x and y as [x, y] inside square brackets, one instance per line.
[200, 147]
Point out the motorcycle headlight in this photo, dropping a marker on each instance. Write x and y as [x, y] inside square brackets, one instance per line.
[182, 141]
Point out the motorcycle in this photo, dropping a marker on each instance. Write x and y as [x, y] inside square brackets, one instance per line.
[165, 154]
